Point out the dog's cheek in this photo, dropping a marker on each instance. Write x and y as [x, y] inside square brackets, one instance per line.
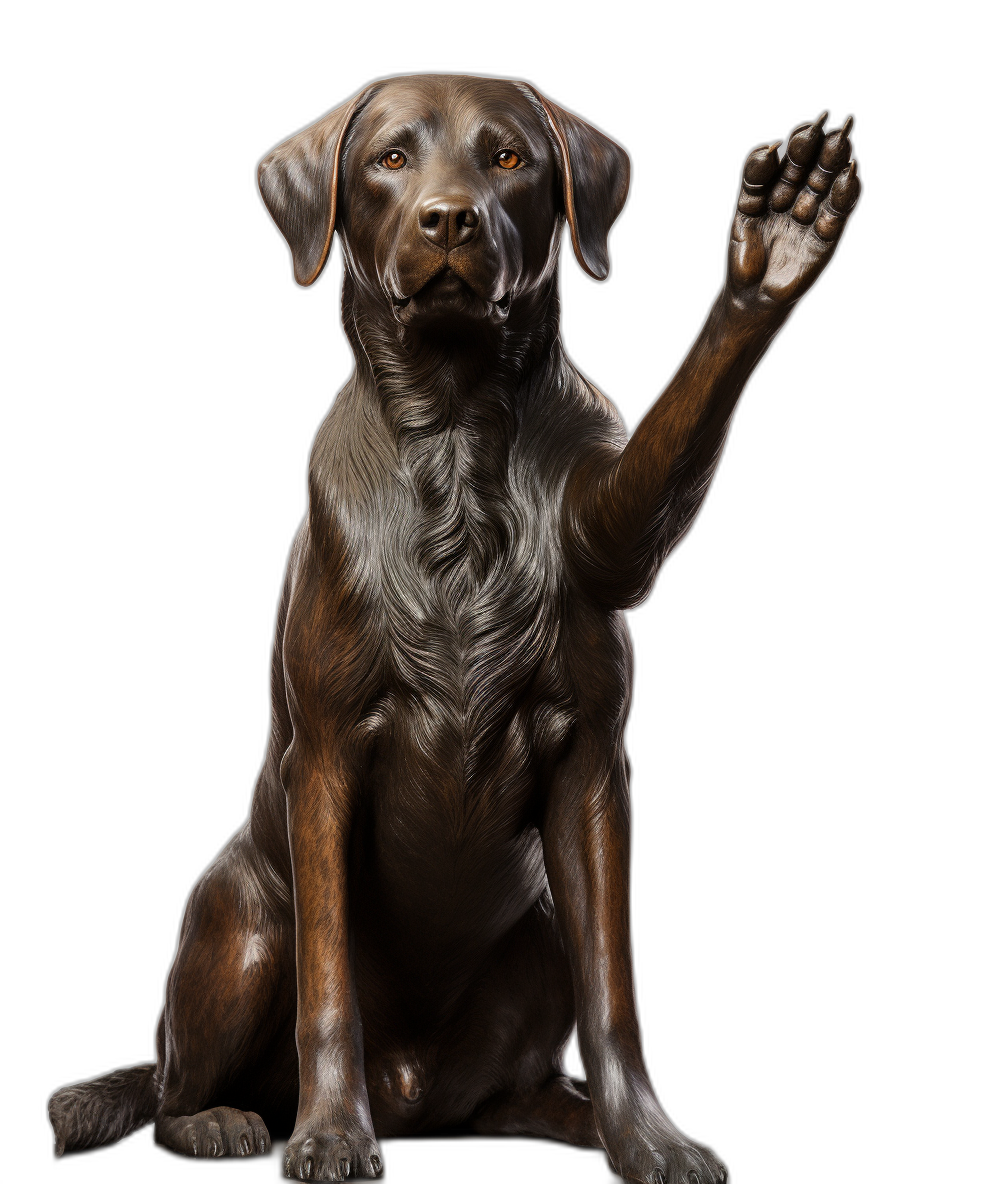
[367, 237]
[383, 247]
[533, 231]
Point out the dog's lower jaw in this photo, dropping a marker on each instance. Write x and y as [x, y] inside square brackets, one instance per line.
[496, 314]
[406, 309]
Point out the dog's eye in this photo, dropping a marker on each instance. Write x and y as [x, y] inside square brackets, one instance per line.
[393, 159]
[508, 159]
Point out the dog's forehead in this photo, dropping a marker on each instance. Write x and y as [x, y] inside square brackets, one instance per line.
[451, 103]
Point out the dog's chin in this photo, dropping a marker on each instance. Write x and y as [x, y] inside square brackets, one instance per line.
[446, 300]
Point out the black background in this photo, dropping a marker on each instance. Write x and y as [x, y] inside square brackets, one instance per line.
[179, 403]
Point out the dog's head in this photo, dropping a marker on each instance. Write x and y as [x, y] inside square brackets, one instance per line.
[447, 193]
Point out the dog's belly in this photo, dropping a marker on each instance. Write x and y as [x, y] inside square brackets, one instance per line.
[453, 931]
[450, 871]
[453, 849]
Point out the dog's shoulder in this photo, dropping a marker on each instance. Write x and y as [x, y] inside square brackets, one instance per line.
[565, 417]
[353, 452]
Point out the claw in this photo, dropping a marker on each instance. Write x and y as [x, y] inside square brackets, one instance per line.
[835, 152]
[821, 120]
[848, 124]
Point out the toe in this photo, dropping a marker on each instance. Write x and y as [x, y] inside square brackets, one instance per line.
[759, 171]
[328, 1156]
[806, 207]
[213, 1140]
[802, 151]
[190, 1139]
[841, 199]
[261, 1142]
[833, 156]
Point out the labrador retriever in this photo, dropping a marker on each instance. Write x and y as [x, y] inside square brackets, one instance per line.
[433, 885]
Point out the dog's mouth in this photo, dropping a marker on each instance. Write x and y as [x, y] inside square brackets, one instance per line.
[446, 293]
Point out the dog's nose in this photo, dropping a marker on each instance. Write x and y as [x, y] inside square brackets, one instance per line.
[449, 222]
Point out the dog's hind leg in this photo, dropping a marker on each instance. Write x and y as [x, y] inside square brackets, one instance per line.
[227, 1002]
[559, 1109]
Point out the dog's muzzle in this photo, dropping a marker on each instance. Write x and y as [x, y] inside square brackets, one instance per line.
[448, 262]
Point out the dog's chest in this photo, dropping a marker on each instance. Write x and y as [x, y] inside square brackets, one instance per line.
[471, 621]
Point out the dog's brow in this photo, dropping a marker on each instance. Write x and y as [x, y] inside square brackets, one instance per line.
[502, 134]
[403, 134]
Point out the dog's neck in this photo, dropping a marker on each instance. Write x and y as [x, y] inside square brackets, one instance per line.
[428, 380]
[452, 405]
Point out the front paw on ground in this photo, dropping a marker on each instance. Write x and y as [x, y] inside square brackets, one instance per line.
[332, 1157]
[212, 1133]
[679, 1162]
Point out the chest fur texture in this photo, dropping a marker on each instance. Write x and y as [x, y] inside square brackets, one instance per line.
[449, 531]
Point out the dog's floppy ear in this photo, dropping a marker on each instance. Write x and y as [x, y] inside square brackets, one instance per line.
[298, 180]
[596, 178]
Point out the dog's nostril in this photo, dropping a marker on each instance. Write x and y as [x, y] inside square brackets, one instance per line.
[466, 225]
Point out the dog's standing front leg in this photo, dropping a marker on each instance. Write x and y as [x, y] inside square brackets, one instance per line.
[333, 1138]
[586, 844]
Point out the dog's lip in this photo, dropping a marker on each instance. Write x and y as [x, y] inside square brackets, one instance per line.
[440, 276]
[448, 273]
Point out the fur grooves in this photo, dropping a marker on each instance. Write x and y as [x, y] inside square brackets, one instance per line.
[92, 1113]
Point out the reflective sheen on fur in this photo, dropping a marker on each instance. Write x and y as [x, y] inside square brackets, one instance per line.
[433, 884]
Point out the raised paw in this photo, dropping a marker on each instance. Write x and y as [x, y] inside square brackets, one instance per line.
[213, 1133]
[315, 1156]
[791, 214]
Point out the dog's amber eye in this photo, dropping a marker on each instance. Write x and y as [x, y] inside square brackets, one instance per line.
[508, 159]
[393, 160]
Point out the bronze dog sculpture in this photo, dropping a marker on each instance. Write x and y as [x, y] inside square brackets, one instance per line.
[433, 884]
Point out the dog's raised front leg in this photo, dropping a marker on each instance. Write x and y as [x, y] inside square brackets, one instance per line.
[586, 845]
[624, 511]
[333, 1138]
